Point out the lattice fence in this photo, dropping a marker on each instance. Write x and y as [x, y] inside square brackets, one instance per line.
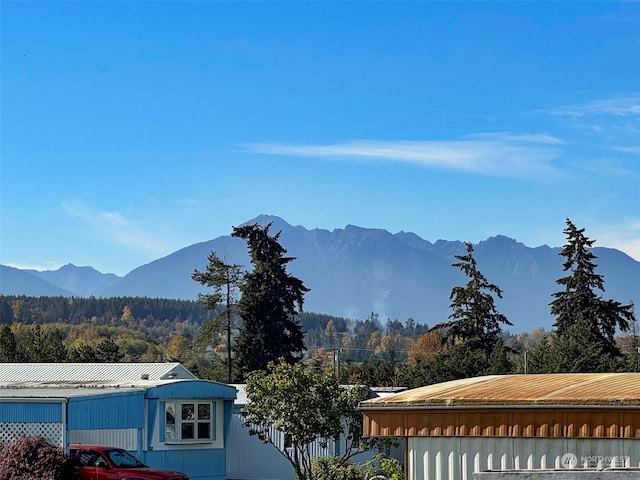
[53, 432]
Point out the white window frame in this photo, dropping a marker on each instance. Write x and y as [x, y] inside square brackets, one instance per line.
[179, 410]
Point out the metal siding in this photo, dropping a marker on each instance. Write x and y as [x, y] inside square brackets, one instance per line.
[107, 412]
[151, 412]
[122, 438]
[515, 422]
[199, 464]
[29, 411]
[266, 462]
[457, 458]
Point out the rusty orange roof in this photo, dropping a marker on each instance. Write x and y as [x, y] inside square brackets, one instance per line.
[567, 389]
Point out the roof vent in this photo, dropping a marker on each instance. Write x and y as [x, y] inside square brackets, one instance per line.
[173, 375]
[144, 376]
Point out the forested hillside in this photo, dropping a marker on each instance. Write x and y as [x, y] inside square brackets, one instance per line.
[158, 329]
[370, 351]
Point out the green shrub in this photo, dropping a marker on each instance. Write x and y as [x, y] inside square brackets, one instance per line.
[385, 467]
[335, 467]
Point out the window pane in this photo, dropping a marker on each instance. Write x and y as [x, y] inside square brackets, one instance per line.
[170, 422]
[188, 411]
[204, 411]
[187, 431]
[204, 430]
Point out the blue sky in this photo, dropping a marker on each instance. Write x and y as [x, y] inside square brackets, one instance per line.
[131, 130]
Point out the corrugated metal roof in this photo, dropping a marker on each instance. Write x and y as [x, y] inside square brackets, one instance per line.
[579, 389]
[38, 392]
[91, 372]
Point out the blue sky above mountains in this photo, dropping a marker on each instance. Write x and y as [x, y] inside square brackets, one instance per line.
[133, 129]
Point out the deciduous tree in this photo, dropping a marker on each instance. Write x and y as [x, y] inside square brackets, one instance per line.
[305, 406]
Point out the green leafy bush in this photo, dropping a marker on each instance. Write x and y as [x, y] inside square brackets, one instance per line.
[335, 468]
[385, 467]
[34, 458]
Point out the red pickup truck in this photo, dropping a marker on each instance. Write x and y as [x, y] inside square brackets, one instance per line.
[96, 462]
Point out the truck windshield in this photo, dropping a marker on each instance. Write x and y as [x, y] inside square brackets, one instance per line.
[122, 458]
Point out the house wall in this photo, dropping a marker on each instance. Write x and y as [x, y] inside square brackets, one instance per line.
[129, 418]
[265, 462]
[610, 422]
[452, 443]
[124, 410]
[624, 474]
[30, 417]
[457, 458]
[115, 419]
[201, 461]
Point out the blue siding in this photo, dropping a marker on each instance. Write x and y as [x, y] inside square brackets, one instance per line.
[122, 410]
[41, 412]
[199, 464]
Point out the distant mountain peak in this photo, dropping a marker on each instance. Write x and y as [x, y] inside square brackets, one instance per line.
[353, 271]
[264, 219]
[500, 240]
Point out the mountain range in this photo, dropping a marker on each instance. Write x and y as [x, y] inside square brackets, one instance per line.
[354, 272]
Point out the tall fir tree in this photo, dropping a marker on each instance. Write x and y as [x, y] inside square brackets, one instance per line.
[585, 324]
[270, 299]
[225, 279]
[474, 318]
[474, 326]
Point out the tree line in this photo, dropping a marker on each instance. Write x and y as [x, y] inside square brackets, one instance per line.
[471, 342]
[252, 318]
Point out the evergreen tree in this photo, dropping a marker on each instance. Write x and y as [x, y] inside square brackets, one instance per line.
[8, 346]
[475, 319]
[108, 351]
[225, 279]
[6, 313]
[474, 326]
[585, 323]
[43, 346]
[576, 352]
[499, 363]
[82, 353]
[270, 300]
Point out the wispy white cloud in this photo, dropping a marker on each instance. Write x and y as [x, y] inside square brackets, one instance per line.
[619, 106]
[117, 228]
[496, 154]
